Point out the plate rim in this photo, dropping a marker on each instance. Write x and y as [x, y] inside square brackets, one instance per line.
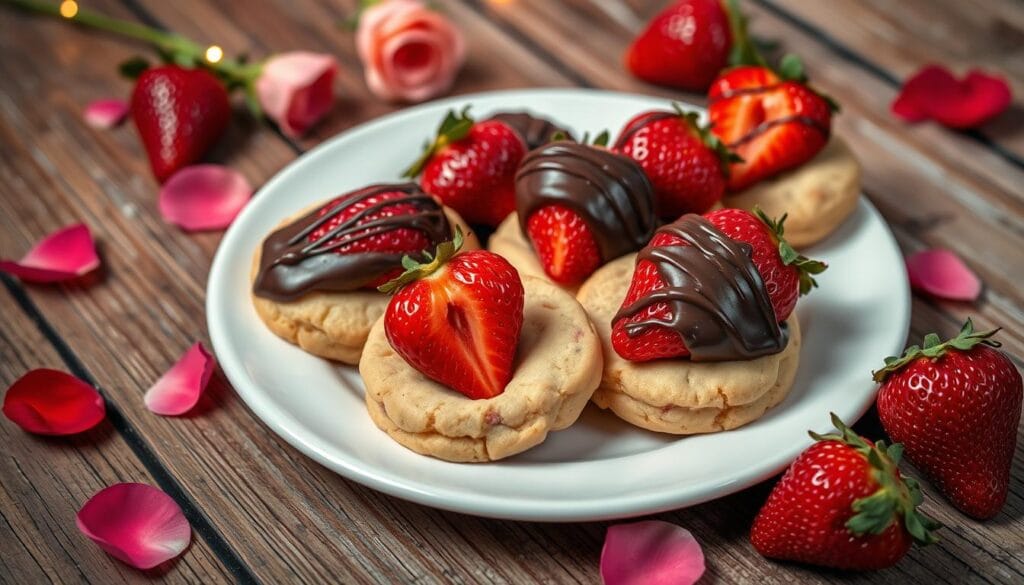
[481, 504]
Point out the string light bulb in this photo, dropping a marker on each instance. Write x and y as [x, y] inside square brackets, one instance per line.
[68, 8]
[214, 54]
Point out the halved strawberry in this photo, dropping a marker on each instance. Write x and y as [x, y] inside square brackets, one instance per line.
[785, 273]
[457, 318]
[563, 243]
[773, 122]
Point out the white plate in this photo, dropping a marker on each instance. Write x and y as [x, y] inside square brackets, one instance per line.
[600, 467]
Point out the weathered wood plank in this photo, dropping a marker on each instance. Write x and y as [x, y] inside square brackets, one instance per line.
[45, 480]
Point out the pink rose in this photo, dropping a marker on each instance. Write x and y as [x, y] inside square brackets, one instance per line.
[296, 89]
[410, 52]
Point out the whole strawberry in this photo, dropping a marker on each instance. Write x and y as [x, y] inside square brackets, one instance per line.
[773, 122]
[956, 406]
[843, 504]
[179, 113]
[786, 276]
[470, 166]
[686, 163]
[457, 318]
[684, 46]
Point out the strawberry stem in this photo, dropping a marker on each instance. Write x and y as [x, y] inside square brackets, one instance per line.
[171, 46]
[897, 497]
[415, 270]
[743, 51]
[454, 127]
[805, 266]
[933, 348]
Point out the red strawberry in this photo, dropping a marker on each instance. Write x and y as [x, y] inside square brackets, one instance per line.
[471, 167]
[457, 319]
[844, 504]
[563, 243]
[773, 123]
[956, 407]
[180, 113]
[786, 275]
[685, 45]
[684, 161]
[371, 210]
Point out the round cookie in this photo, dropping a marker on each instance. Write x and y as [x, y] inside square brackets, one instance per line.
[818, 195]
[558, 366]
[333, 325]
[681, 396]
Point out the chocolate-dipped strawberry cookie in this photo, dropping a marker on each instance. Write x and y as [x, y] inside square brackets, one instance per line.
[791, 163]
[578, 206]
[315, 278]
[698, 327]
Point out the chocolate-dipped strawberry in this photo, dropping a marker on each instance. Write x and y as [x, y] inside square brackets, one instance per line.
[534, 131]
[581, 206]
[716, 287]
[356, 241]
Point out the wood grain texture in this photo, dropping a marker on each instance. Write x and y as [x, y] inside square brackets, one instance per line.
[45, 480]
[289, 519]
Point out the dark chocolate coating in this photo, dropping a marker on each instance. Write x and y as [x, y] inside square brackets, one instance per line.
[292, 266]
[610, 192]
[534, 131]
[717, 299]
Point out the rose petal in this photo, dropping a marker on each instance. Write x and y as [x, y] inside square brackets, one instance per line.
[51, 402]
[204, 197]
[65, 254]
[650, 553]
[179, 389]
[106, 113]
[941, 273]
[136, 523]
[934, 93]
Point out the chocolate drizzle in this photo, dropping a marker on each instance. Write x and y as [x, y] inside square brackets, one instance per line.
[291, 265]
[534, 131]
[609, 191]
[716, 297]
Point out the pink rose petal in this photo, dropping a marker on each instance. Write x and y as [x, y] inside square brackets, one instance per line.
[106, 113]
[941, 273]
[650, 553]
[204, 197]
[178, 390]
[51, 402]
[65, 254]
[296, 89]
[934, 93]
[136, 523]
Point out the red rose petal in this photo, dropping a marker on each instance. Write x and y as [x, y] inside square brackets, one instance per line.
[136, 523]
[204, 197]
[934, 93]
[178, 390]
[51, 402]
[106, 113]
[65, 254]
[650, 553]
[941, 273]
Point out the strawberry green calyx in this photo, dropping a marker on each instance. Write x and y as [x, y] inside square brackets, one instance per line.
[710, 140]
[790, 257]
[933, 348]
[743, 51]
[897, 497]
[416, 270]
[454, 127]
[599, 140]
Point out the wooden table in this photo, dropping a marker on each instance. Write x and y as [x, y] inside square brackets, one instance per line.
[260, 511]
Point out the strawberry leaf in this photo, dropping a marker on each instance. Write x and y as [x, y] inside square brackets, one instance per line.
[791, 68]
[133, 67]
[933, 348]
[415, 270]
[743, 51]
[805, 266]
